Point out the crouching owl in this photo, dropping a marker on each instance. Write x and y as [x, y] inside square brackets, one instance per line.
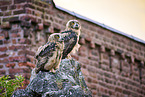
[71, 38]
[49, 55]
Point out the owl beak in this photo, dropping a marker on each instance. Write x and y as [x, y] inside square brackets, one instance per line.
[61, 39]
[76, 26]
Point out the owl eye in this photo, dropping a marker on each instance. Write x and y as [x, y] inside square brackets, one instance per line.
[73, 23]
[56, 36]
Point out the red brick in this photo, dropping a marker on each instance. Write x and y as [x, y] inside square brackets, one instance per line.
[39, 27]
[88, 39]
[26, 82]
[126, 92]
[83, 54]
[75, 56]
[10, 65]
[1, 13]
[82, 41]
[7, 41]
[17, 58]
[27, 75]
[14, 19]
[5, 19]
[4, 60]
[93, 86]
[12, 7]
[19, 1]
[19, 70]
[15, 30]
[6, 34]
[3, 8]
[26, 70]
[3, 49]
[92, 45]
[21, 6]
[4, 2]
[102, 49]
[93, 58]
[40, 9]
[25, 23]
[92, 74]
[33, 20]
[3, 55]
[14, 47]
[5, 25]
[26, 32]
[27, 64]
[19, 12]
[30, 53]
[30, 6]
[14, 35]
[91, 69]
[82, 48]
[1, 66]
[85, 72]
[2, 72]
[46, 24]
[22, 52]
[14, 41]
[89, 80]
[94, 81]
[24, 41]
[83, 66]
[117, 89]
[28, 11]
[2, 37]
[94, 92]
[8, 13]
[15, 70]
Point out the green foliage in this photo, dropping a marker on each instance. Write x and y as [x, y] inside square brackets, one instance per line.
[9, 86]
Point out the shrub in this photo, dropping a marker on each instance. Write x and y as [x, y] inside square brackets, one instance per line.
[8, 86]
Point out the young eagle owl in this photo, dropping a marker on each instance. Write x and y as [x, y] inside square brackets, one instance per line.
[49, 55]
[71, 37]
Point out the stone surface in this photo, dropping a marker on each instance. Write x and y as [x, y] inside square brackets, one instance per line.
[67, 81]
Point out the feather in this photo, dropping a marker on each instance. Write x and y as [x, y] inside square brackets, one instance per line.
[71, 37]
[70, 41]
[49, 55]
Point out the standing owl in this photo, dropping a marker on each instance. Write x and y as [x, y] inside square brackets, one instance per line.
[71, 38]
[49, 55]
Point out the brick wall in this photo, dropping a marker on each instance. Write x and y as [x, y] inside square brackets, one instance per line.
[112, 64]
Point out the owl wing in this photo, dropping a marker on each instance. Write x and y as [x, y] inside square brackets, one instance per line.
[70, 41]
[46, 49]
[44, 54]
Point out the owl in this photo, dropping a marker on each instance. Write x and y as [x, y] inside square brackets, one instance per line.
[49, 55]
[71, 38]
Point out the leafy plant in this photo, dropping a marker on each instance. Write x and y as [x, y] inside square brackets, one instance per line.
[8, 86]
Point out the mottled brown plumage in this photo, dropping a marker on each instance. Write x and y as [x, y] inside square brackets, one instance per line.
[49, 55]
[58, 47]
[71, 37]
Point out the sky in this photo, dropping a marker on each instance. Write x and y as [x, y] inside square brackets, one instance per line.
[127, 16]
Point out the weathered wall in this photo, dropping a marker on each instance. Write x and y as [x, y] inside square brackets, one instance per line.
[112, 64]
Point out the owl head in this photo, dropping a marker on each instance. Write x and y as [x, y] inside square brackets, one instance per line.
[56, 37]
[73, 25]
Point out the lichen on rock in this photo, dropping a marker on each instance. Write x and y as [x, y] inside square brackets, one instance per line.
[67, 81]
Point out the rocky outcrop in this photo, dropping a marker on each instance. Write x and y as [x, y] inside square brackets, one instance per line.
[67, 81]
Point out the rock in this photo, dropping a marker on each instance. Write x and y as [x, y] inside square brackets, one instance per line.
[67, 81]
